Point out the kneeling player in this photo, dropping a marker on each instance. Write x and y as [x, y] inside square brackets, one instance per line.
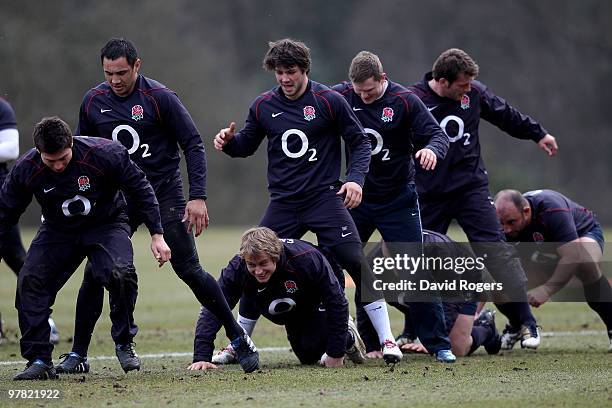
[465, 331]
[292, 284]
[576, 241]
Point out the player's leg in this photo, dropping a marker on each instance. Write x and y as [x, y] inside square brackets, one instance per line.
[400, 226]
[477, 216]
[365, 227]
[109, 250]
[330, 221]
[13, 251]
[90, 301]
[436, 214]
[247, 319]
[308, 336]
[186, 265]
[484, 332]
[51, 260]
[597, 289]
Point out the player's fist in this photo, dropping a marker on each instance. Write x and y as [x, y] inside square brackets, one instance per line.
[224, 136]
[427, 159]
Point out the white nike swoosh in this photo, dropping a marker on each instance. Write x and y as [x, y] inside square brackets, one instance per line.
[432, 108]
[356, 109]
[346, 235]
[46, 190]
[276, 114]
[105, 110]
[261, 290]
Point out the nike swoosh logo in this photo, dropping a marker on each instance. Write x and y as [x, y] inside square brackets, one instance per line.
[356, 109]
[346, 235]
[261, 290]
[432, 108]
[276, 114]
[46, 190]
[105, 110]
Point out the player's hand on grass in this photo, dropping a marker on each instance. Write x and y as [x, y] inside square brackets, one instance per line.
[196, 215]
[201, 365]
[329, 362]
[549, 144]
[427, 159]
[414, 348]
[538, 296]
[352, 194]
[159, 248]
[224, 136]
[374, 354]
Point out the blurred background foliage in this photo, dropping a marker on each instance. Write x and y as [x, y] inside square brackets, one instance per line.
[551, 59]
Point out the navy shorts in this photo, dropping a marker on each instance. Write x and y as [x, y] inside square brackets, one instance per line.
[597, 234]
[473, 209]
[399, 220]
[324, 215]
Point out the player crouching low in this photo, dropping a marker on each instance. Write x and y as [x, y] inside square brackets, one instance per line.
[292, 284]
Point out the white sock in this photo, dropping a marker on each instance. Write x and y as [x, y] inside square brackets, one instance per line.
[247, 324]
[379, 316]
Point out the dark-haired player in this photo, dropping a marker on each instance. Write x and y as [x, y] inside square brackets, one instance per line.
[397, 122]
[459, 188]
[304, 123]
[549, 216]
[150, 120]
[78, 183]
[292, 284]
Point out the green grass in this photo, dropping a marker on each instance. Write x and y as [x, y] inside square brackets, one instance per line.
[565, 371]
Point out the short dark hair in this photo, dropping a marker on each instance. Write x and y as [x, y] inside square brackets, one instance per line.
[365, 65]
[287, 53]
[116, 48]
[453, 62]
[51, 135]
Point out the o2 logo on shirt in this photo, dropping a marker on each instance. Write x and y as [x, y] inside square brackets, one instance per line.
[303, 149]
[137, 112]
[71, 207]
[309, 113]
[280, 306]
[379, 144]
[135, 140]
[460, 128]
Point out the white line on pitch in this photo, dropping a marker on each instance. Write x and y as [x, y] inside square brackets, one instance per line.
[156, 355]
[280, 349]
